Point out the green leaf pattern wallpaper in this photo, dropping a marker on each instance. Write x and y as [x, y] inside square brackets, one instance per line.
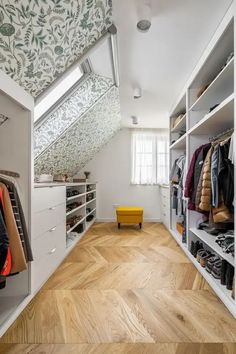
[83, 139]
[78, 102]
[40, 39]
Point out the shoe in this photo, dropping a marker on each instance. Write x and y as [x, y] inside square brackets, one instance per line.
[229, 276]
[216, 270]
[212, 230]
[192, 247]
[198, 245]
[223, 272]
[210, 263]
[204, 257]
[199, 254]
[203, 224]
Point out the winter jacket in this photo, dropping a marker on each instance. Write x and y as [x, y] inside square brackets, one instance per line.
[205, 199]
[191, 179]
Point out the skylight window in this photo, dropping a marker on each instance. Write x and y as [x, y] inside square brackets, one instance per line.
[57, 92]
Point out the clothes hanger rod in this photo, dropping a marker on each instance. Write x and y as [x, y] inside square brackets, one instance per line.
[10, 173]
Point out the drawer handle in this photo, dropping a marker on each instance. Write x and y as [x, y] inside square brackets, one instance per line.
[53, 229]
[52, 208]
[52, 251]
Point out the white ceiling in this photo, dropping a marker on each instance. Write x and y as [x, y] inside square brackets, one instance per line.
[161, 61]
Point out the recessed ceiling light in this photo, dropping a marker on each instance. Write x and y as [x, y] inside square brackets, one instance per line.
[144, 20]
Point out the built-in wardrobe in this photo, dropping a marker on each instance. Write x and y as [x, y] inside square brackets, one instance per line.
[201, 196]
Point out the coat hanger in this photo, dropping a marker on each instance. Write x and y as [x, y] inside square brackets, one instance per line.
[222, 136]
[3, 118]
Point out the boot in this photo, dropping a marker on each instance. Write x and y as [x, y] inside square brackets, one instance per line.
[223, 272]
[229, 276]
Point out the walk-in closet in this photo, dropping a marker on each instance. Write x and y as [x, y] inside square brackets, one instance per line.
[117, 177]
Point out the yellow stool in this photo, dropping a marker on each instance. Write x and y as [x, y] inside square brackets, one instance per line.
[129, 215]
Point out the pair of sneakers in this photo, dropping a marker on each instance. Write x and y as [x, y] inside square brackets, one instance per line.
[226, 241]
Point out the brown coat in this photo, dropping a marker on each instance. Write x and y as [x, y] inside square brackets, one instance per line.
[17, 252]
[205, 195]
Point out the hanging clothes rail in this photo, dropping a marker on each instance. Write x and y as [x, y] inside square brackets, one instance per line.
[10, 173]
[221, 135]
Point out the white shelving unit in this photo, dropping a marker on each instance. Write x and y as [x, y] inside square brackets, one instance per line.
[202, 123]
[82, 211]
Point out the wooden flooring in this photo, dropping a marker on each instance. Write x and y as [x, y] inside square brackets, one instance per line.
[124, 291]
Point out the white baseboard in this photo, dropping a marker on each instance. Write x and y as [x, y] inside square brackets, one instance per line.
[114, 220]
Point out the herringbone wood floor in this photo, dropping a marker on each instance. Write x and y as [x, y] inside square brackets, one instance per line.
[124, 291]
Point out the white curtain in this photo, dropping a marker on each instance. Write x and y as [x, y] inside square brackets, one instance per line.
[149, 157]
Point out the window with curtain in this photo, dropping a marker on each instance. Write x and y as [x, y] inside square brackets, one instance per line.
[150, 158]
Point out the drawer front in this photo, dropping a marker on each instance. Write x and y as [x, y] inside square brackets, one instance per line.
[165, 192]
[47, 219]
[48, 252]
[54, 238]
[46, 197]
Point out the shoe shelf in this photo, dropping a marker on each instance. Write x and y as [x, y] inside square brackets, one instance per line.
[210, 241]
[92, 211]
[93, 191]
[220, 88]
[71, 243]
[220, 119]
[90, 223]
[221, 290]
[74, 226]
[74, 210]
[75, 197]
[90, 201]
[180, 144]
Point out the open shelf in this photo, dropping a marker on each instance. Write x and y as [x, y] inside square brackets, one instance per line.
[72, 211]
[75, 197]
[177, 238]
[210, 241]
[215, 122]
[90, 201]
[73, 227]
[180, 144]
[93, 191]
[180, 125]
[92, 211]
[220, 88]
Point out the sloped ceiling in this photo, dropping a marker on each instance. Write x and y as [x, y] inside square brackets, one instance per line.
[40, 39]
[83, 97]
[83, 139]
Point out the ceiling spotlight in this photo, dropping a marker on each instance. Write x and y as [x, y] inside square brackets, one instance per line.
[144, 17]
[137, 92]
[134, 120]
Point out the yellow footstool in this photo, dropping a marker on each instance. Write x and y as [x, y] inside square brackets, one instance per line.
[129, 215]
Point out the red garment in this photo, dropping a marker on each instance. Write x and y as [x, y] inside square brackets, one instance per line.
[6, 270]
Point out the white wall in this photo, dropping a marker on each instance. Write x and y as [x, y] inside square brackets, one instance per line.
[111, 168]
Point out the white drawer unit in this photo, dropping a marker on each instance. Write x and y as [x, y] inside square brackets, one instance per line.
[48, 197]
[47, 219]
[49, 251]
[165, 205]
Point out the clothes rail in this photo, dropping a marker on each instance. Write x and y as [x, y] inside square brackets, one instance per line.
[10, 173]
[221, 135]
[3, 118]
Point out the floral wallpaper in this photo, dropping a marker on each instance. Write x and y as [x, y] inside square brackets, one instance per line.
[40, 39]
[84, 138]
[85, 95]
